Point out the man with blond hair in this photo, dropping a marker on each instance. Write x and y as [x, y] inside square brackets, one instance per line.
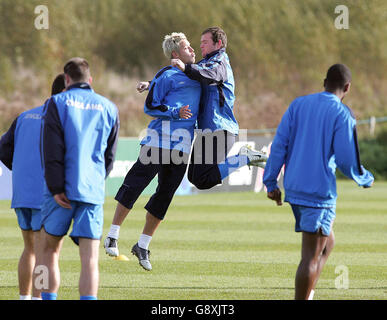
[173, 100]
[217, 125]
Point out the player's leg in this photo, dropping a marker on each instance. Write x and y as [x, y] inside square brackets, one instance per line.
[151, 224]
[87, 232]
[227, 165]
[36, 292]
[141, 248]
[55, 221]
[36, 224]
[111, 241]
[26, 265]
[324, 257]
[313, 245]
[317, 243]
[169, 179]
[49, 257]
[24, 220]
[209, 165]
[324, 222]
[89, 277]
[208, 150]
[136, 180]
[245, 156]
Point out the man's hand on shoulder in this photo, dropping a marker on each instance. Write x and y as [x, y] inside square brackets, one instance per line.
[178, 63]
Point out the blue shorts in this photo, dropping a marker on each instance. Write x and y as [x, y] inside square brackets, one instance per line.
[87, 219]
[311, 220]
[29, 219]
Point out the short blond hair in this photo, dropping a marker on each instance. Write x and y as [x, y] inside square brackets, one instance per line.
[171, 43]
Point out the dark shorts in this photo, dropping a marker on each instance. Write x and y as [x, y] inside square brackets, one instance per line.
[142, 173]
[208, 151]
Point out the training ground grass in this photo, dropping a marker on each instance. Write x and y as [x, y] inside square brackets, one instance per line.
[225, 246]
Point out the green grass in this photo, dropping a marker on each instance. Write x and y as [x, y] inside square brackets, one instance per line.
[224, 246]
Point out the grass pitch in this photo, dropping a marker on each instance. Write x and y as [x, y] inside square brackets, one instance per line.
[225, 246]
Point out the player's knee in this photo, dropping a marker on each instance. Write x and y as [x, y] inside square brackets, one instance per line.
[328, 248]
[202, 186]
[29, 251]
[157, 214]
[204, 183]
[309, 265]
[207, 185]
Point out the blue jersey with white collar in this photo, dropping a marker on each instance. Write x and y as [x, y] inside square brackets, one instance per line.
[316, 134]
[170, 90]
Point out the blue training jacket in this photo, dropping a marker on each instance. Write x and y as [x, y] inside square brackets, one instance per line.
[217, 102]
[20, 152]
[170, 90]
[79, 143]
[316, 134]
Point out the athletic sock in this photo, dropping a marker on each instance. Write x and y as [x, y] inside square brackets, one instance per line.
[114, 231]
[25, 297]
[36, 298]
[311, 295]
[88, 298]
[144, 241]
[231, 164]
[49, 295]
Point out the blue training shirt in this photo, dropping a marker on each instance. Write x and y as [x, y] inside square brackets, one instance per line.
[79, 143]
[20, 152]
[316, 134]
[215, 74]
[170, 90]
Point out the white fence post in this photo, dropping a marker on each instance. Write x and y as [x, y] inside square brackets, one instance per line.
[372, 126]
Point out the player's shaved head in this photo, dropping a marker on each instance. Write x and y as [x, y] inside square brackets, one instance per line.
[77, 69]
[337, 77]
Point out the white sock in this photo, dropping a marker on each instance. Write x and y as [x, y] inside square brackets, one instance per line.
[311, 295]
[26, 297]
[114, 231]
[144, 241]
[36, 298]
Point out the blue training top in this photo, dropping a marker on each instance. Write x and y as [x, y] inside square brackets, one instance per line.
[19, 150]
[316, 134]
[170, 90]
[80, 138]
[217, 102]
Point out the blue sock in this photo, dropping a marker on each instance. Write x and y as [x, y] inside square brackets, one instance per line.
[88, 298]
[231, 164]
[49, 295]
